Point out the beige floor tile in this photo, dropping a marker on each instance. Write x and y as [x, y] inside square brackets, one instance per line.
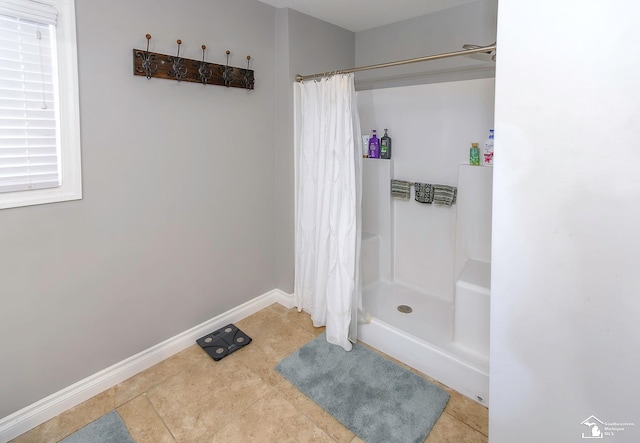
[143, 422]
[278, 308]
[260, 321]
[198, 402]
[242, 398]
[271, 419]
[319, 416]
[282, 340]
[468, 411]
[70, 421]
[261, 363]
[158, 373]
[273, 338]
[303, 320]
[449, 429]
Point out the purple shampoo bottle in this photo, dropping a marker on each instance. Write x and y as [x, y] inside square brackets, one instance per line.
[374, 145]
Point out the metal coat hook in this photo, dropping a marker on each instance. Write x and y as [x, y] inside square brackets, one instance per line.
[248, 80]
[203, 68]
[179, 70]
[227, 75]
[149, 65]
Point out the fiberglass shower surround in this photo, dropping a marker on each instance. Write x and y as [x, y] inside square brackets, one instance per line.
[434, 259]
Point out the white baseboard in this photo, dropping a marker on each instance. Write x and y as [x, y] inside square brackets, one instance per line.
[284, 299]
[37, 413]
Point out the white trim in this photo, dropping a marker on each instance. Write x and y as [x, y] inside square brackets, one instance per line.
[283, 298]
[37, 413]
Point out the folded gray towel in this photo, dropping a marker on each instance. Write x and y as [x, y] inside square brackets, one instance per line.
[401, 189]
[444, 195]
[424, 193]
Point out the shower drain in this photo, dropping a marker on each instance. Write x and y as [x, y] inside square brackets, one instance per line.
[405, 309]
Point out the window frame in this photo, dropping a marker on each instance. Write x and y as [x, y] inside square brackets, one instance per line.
[69, 118]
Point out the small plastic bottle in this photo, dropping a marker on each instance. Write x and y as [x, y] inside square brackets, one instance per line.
[365, 146]
[374, 145]
[385, 146]
[488, 150]
[474, 155]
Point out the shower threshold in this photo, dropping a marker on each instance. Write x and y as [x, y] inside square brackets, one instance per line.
[423, 339]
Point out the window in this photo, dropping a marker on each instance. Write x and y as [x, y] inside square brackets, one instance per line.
[39, 112]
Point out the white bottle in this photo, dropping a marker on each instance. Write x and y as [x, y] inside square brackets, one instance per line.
[487, 158]
[365, 146]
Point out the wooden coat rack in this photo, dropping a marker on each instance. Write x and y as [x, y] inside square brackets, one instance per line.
[174, 67]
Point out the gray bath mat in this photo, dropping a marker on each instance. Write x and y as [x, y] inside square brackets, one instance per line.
[375, 398]
[107, 429]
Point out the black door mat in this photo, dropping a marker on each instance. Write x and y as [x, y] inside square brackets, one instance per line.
[223, 342]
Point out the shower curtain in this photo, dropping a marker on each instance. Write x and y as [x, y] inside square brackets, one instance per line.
[328, 158]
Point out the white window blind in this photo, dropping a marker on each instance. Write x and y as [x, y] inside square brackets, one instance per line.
[29, 124]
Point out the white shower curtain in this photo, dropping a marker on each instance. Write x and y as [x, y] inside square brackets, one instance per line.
[328, 198]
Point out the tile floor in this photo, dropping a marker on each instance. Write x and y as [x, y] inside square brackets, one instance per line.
[191, 398]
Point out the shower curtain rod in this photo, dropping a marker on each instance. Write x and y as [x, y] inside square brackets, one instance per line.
[489, 48]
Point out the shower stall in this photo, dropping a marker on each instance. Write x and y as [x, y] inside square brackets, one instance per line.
[425, 268]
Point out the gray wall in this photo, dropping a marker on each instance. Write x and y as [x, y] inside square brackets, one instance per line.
[178, 217]
[305, 45]
[188, 191]
[440, 32]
